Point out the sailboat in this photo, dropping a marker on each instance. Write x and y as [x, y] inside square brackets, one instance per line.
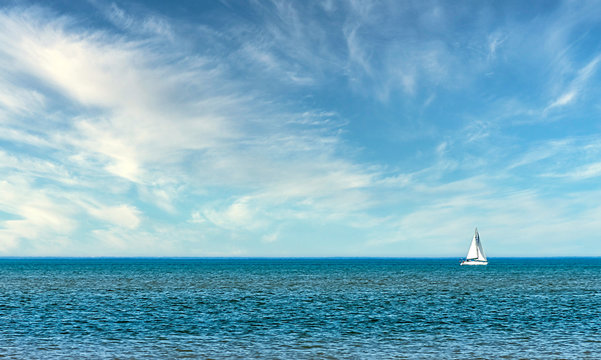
[475, 255]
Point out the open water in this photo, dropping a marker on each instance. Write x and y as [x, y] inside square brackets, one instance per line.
[300, 308]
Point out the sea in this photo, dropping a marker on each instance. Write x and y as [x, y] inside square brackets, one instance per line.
[325, 308]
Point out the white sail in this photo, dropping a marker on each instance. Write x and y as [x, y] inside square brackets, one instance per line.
[472, 253]
[481, 254]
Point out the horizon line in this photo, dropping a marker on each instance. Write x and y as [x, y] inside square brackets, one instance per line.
[288, 257]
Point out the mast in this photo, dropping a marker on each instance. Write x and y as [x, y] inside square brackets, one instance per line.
[478, 246]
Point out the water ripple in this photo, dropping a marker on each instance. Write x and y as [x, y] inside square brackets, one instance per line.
[303, 308]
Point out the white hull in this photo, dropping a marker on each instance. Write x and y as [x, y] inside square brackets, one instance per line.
[474, 263]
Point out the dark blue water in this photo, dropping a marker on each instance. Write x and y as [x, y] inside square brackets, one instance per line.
[299, 308]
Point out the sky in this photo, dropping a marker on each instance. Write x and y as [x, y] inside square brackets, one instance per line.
[300, 128]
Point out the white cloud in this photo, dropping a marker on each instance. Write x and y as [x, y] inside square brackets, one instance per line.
[33, 168]
[576, 86]
[578, 173]
[241, 214]
[18, 100]
[142, 122]
[588, 171]
[147, 24]
[570, 158]
[24, 137]
[270, 238]
[35, 214]
[495, 40]
[120, 152]
[126, 216]
[563, 100]
[197, 218]
[119, 241]
[542, 152]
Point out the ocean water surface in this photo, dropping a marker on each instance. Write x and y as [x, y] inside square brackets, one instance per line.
[300, 308]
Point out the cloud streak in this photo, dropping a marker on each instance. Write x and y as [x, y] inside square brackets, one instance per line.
[576, 86]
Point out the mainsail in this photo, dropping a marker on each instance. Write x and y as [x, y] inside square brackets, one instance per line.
[476, 252]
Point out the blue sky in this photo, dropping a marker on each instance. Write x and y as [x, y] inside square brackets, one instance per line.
[299, 128]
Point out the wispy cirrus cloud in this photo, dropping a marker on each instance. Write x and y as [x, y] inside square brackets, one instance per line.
[544, 151]
[34, 213]
[571, 158]
[585, 171]
[146, 24]
[576, 86]
[155, 120]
